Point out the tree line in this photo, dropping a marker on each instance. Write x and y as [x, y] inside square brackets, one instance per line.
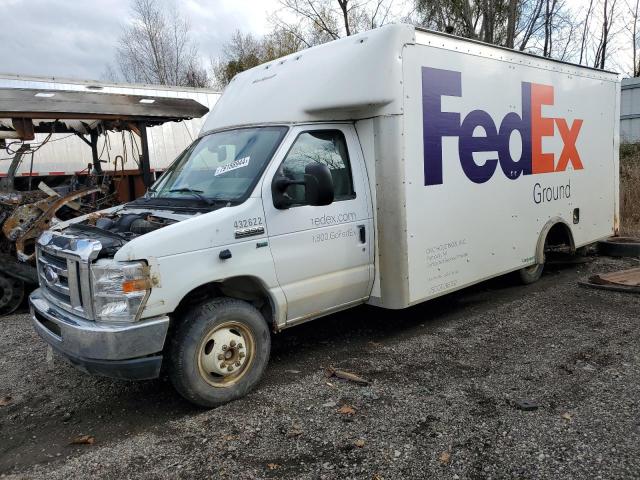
[156, 44]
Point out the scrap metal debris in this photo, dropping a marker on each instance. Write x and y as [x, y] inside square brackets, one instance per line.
[620, 281]
[29, 220]
[83, 440]
[24, 215]
[527, 405]
[344, 375]
[347, 410]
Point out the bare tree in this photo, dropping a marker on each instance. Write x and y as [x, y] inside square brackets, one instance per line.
[155, 47]
[299, 24]
[461, 17]
[512, 18]
[585, 31]
[530, 24]
[634, 11]
[608, 18]
[319, 21]
[244, 51]
[502, 22]
[545, 27]
[548, 30]
[241, 52]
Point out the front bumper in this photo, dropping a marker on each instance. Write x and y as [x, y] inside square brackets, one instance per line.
[131, 351]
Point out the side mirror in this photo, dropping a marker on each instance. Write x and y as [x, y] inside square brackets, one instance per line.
[318, 184]
[318, 187]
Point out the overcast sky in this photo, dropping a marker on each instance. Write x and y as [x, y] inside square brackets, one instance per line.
[76, 38]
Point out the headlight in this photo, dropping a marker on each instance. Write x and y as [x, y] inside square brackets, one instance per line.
[119, 290]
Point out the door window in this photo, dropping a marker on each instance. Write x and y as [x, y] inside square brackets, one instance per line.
[327, 147]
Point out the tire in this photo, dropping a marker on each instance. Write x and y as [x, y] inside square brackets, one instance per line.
[532, 274]
[12, 292]
[210, 374]
[620, 247]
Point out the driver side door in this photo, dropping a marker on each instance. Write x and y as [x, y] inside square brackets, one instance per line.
[323, 254]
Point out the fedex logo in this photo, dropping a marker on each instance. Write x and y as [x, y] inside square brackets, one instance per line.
[531, 125]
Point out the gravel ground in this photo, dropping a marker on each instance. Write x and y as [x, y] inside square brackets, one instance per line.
[446, 378]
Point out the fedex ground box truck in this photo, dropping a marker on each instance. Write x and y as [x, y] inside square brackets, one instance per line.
[387, 168]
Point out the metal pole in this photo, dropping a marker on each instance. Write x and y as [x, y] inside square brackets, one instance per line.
[8, 183]
[31, 172]
[144, 157]
[94, 151]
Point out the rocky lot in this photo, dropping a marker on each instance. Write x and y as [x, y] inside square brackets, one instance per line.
[447, 381]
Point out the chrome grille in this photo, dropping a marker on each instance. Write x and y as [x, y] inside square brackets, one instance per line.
[63, 264]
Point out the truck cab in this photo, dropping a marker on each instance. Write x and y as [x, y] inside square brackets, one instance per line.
[268, 222]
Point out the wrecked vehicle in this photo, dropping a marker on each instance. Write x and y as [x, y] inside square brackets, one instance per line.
[314, 189]
[23, 217]
[26, 211]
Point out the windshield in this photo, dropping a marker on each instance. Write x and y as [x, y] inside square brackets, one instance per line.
[222, 166]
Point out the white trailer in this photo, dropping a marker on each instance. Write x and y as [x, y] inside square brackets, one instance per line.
[630, 110]
[67, 154]
[388, 168]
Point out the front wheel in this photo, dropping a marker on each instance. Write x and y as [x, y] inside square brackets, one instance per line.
[219, 351]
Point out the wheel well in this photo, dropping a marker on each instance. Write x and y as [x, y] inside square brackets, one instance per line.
[246, 288]
[555, 233]
[559, 235]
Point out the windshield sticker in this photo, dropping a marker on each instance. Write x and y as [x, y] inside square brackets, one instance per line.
[241, 162]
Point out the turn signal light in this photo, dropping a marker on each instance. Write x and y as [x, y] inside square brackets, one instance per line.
[130, 286]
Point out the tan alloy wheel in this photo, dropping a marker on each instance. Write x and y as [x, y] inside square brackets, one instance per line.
[226, 354]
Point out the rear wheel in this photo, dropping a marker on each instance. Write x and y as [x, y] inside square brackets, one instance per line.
[531, 274]
[11, 294]
[219, 351]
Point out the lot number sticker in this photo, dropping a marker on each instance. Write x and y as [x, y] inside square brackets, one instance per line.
[241, 162]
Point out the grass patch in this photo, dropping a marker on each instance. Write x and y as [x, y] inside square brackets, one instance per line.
[630, 189]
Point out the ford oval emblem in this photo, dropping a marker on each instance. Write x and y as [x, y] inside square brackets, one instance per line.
[50, 275]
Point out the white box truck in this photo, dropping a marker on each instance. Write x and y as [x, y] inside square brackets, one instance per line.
[387, 168]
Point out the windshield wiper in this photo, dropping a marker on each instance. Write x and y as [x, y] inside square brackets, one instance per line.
[195, 193]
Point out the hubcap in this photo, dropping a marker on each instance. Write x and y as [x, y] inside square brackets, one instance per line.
[225, 354]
